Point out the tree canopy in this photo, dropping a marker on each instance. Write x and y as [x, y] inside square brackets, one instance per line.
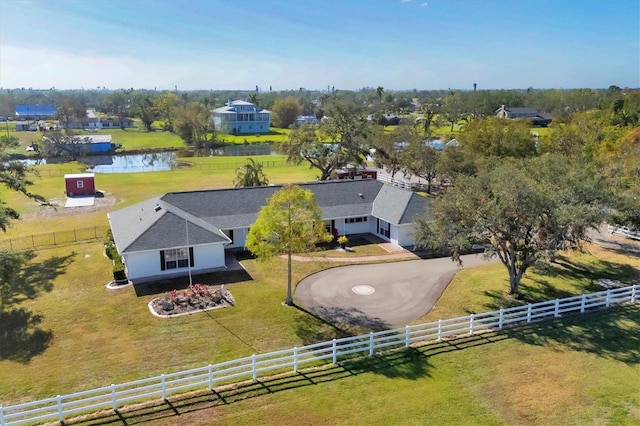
[291, 222]
[250, 174]
[285, 111]
[522, 210]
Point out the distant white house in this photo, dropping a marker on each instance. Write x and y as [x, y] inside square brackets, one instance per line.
[306, 119]
[537, 119]
[241, 117]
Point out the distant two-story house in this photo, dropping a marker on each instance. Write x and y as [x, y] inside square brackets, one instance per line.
[241, 118]
[182, 232]
[537, 119]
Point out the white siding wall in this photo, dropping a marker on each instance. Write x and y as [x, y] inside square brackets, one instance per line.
[146, 265]
[404, 234]
[239, 238]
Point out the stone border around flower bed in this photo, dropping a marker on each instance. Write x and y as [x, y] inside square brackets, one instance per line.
[226, 301]
[195, 311]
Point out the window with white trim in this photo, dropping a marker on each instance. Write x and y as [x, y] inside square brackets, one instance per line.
[176, 258]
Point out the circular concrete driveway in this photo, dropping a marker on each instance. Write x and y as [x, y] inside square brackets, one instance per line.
[381, 295]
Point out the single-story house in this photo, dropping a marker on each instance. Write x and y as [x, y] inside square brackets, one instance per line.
[537, 119]
[87, 144]
[79, 184]
[35, 112]
[305, 119]
[182, 232]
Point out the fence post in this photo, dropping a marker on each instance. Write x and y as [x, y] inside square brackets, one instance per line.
[583, 302]
[335, 352]
[556, 311]
[407, 336]
[1, 415]
[633, 300]
[59, 402]
[501, 319]
[295, 359]
[439, 330]
[471, 317]
[114, 399]
[371, 347]
[253, 367]
[608, 298]
[164, 387]
[529, 313]
[210, 372]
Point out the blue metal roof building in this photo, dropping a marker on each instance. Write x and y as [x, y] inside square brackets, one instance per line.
[35, 112]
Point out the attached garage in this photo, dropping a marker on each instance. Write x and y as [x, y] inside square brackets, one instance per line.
[80, 184]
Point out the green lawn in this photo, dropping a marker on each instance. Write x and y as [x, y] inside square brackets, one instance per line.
[125, 189]
[79, 335]
[588, 365]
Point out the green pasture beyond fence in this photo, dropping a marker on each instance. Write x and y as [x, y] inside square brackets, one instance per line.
[181, 166]
[31, 242]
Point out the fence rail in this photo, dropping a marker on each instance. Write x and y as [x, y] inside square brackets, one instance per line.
[54, 238]
[254, 366]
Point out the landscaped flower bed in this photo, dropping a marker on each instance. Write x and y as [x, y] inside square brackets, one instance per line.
[196, 297]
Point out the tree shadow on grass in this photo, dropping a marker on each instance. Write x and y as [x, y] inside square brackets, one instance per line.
[34, 278]
[326, 323]
[608, 333]
[160, 286]
[584, 276]
[21, 337]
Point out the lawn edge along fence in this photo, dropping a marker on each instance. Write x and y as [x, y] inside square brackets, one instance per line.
[48, 239]
[254, 366]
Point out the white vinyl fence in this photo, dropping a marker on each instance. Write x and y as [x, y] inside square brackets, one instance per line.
[165, 385]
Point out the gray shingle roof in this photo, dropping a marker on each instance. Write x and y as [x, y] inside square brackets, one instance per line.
[158, 223]
[398, 206]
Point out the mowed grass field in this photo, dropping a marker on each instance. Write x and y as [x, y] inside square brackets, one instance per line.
[79, 335]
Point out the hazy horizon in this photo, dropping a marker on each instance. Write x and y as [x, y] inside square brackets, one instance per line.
[400, 45]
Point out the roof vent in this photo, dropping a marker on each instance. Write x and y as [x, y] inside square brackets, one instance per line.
[360, 195]
[157, 208]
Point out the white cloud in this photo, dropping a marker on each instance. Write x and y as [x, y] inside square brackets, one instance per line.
[424, 4]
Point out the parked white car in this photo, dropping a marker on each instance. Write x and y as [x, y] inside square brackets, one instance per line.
[624, 232]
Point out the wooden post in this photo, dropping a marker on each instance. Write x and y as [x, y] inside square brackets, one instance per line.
[501, 319]
[556, 311]
[583, 302]
[439, 330]
[529, 313]
[471, 318]
[335, 353]
[295, 359]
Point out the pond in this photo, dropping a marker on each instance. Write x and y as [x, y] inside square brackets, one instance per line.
[155, 161]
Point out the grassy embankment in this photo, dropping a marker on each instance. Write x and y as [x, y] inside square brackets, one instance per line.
[579, 370]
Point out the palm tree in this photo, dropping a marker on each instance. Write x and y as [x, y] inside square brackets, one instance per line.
[379, 92]
[253, 98]
[250, 175]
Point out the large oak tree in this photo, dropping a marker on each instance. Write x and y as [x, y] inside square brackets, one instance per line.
[522, 210]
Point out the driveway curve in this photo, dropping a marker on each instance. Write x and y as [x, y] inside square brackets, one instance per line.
[381, 295]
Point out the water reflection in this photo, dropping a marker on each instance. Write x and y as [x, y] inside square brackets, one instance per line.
[154, 161]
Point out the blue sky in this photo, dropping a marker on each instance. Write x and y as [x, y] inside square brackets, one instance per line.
[288, 44]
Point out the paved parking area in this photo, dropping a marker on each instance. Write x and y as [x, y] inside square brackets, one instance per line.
[380, 295]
